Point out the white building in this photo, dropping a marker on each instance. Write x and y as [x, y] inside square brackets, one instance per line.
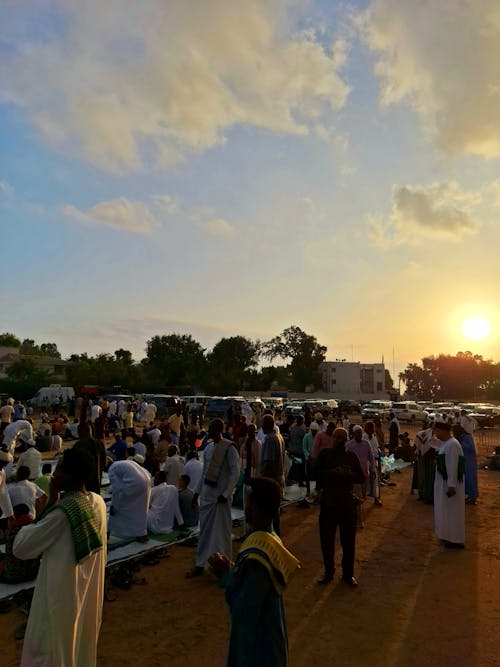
[354, 380]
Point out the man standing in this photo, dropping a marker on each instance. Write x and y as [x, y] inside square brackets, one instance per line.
[297, 433]
[272, 463]
[254, 585]
[425, 465]
[65, 616]
[449, 492]
[175, 423]
[221, 468]
[131, 490]
[468, 425]
[323, 440]
[393, 433]
[336, 472]
[369, 435]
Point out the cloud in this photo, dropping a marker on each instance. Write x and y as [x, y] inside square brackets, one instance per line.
[495, 191]
[125, 83]
[166, 203]
[418, 212]
[441, 58]
[218, 227]
[6, 188]
[122, 214]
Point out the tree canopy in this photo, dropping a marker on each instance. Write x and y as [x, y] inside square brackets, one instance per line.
[175, 360]
[304, 351]
[9, 340]
[464, 375]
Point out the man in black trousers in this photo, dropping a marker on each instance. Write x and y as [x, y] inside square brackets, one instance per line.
[336, 472]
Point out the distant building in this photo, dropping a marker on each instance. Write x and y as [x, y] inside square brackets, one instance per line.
[354, 380]
[53, 366]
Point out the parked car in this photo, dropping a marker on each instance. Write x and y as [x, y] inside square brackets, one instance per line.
[273, 402]
[295, 408]
[376, 409]
[409, 411]
[348, 407]
[486, 416]
[218, 406]
[195, 402]
[166, 404]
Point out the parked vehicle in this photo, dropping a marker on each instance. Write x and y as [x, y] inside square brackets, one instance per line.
[46, 396]
[409, 411]
[348, 407]
[294, 408]
[273, 402]
[166, 404]
[195, 402]
[376, 409]
[218, 406]
[486, 416]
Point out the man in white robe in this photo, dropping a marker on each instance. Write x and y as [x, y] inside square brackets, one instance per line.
[18, 430]
[5, 504]
[66, 612]
[221, 469]
[131, 490]
[163, 506]
[449, 489]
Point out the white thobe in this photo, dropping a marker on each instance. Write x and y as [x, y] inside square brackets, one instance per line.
[193, 468]
[174, 468]
[131, 489]
[13, 431]
[449, 513]
[26, 493]
[150, 412]
[5, 504]
[215, 518]
[66, 612]
[32, 459]
[164, 508]
[113, 406]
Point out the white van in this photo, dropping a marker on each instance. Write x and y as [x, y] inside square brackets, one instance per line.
[409, 411]
[46, 396]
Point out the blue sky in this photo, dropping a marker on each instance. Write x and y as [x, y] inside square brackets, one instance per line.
[169, 167]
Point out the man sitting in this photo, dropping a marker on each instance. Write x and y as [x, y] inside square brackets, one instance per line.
[131, 490]
[24, 492]
[163, 506]
[15, 570]
[190, 513]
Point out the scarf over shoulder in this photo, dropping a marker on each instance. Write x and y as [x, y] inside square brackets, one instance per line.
[269, 551]
[82, 522]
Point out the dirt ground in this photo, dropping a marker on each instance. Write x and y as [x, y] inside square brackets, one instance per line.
[417, 604]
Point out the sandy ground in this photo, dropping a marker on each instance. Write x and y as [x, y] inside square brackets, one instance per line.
[417, 604]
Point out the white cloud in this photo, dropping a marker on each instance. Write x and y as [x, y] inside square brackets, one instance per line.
[166, 203]
[442, 59]
[122, 214]
[495, 191]
[218, 227]
[6, 188]
[439, 209]
[125, 82]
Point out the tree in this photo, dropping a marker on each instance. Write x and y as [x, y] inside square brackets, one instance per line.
[124, 357]
[463, 376]
[9, 340]
[305, 352]
[25, 370]
[175, 361]
[231, 363]
[49, 350]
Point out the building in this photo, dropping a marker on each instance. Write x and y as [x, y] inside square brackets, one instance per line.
[354, 380]
[54, 367]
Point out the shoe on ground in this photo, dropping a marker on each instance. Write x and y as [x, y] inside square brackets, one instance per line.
[325, 579]
[454, 545]
[350, 581]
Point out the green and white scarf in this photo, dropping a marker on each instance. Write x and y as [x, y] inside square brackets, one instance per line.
[82, 522]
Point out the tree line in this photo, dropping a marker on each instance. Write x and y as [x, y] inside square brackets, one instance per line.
[462, 376]
[178, 363]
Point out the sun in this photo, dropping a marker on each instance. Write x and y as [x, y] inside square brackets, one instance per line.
[476, 328]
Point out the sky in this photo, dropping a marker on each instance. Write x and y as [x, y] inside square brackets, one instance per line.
[234, 167]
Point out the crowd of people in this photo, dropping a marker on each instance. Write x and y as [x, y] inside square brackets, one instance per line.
[159, 483]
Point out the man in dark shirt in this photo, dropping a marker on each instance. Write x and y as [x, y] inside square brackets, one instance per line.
[336, 472]
[119, 448]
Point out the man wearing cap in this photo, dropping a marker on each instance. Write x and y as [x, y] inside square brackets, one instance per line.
[449, 491]
[32, 459]
[323, 440]
[19, 430]
[320, 421]
[425, 465]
